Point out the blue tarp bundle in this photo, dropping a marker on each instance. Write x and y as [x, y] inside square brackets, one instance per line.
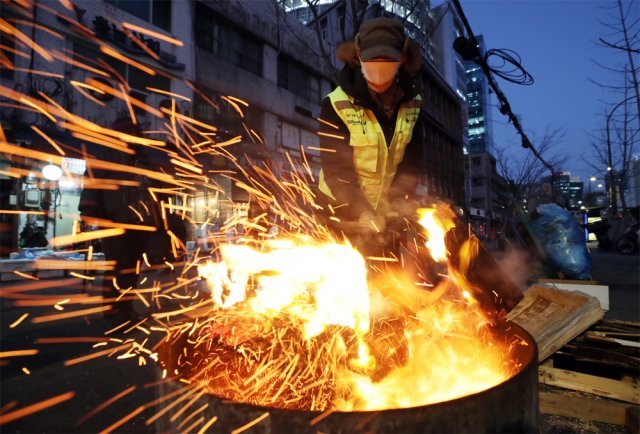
[563, 241]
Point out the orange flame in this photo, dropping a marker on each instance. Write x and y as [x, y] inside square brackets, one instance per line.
[382, 343]
[436, 226]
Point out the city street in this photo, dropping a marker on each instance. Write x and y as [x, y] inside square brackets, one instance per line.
[622, 274]
[97, 380]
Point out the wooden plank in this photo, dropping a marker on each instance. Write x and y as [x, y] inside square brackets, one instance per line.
[554, 317]
[599, 338]
[576, 282]
[568, 356]
[601, 292]
[632, 422]
[621, 390]
[633, 324]
[582, 408]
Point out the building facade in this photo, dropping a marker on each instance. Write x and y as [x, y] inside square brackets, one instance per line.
[479, 106]
[486, 192]
[251, 51]
[77, 47]
[567, 190]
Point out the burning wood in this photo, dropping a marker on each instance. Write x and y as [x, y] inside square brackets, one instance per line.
[298, 326]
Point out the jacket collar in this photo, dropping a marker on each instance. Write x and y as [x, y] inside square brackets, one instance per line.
[354, 84]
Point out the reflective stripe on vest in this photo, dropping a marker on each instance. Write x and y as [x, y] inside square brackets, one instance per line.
[375, 162]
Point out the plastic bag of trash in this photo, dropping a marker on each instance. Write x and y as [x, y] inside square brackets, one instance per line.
[563, 241]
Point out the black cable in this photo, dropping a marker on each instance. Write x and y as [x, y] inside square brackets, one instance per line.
[508, 59]
[469, 51]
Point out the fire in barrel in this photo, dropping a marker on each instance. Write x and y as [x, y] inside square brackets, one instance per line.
[299, 324]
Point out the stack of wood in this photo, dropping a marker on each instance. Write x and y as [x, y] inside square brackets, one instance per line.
[596, 361]
[610, 348]
[604, 361]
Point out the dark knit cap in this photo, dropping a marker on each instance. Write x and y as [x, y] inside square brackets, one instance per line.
[381, 37]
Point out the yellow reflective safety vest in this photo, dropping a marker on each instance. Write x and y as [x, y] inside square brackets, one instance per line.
[375, 162]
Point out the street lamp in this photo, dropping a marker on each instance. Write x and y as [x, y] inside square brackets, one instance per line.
[52, 172]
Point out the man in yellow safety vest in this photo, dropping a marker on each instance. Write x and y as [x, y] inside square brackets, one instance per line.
[372, 154]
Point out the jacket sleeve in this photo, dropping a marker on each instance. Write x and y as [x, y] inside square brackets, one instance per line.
[410, 168]
[337, 164]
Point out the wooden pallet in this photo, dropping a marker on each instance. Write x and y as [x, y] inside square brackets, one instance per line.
[603, 360]
[603, 363]
[627, 390]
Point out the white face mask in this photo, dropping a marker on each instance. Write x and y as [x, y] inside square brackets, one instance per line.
[380, 73]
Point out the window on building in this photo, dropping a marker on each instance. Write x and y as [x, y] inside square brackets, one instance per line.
[477, 182]
[157, 12]
[137, 79]
[223, 116]
[477, 202]
[298, 79]
[341, 13]
[221, 38]
[323, 28]
[8, 44]
[476, 131]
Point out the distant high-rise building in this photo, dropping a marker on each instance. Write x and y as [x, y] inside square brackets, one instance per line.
[478, 100]
[567, 189]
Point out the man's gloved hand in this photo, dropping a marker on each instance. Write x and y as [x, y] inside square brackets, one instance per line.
[402, 207]
[371, 221]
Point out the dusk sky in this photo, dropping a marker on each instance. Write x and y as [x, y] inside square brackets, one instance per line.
[556, 41]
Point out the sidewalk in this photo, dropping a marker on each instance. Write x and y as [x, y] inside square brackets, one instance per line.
[622, 274]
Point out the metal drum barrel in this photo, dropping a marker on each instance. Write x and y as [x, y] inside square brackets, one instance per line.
[509, 407]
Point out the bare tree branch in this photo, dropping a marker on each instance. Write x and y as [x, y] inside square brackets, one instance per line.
[524, 171]
[619, 47]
